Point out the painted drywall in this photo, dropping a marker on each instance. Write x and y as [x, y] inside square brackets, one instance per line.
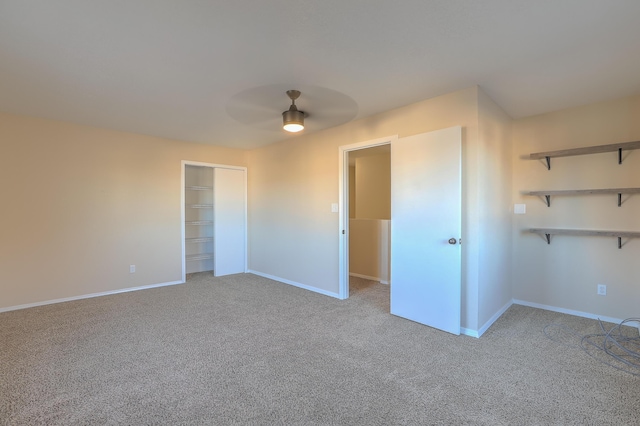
[352, 192]
[565, 273]
[373, 187]
[81, 204]
[369, 251]
[86, 203]
[292, 233]
[495, 176]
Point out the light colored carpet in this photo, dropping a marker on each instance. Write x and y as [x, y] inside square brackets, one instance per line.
[247, 350]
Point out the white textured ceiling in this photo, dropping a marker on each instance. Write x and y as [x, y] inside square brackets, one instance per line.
[170, 67]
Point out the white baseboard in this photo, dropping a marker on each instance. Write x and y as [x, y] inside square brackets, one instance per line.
[87, 296]
[469, 332]
[569, 311]
[494, 318]
[367, 277]
[485, 327]
[295, 284]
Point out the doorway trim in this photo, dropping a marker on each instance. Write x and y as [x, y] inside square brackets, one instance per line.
[343, 207]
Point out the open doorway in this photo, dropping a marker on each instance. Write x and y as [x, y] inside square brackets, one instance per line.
[365, 206]
[426, 201]
[369, 225]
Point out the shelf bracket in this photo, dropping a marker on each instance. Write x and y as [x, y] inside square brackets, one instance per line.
[619, 242]
[619, 199]
[619, 155]
[548, 238]
[549, 162]
[548, 198]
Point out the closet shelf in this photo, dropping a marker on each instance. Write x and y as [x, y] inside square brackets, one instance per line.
[199, 222]
[548, 232]
[199, 240]
[619, 191]
[200, 206]
[548, 155]
[199, 188]
[196, 257]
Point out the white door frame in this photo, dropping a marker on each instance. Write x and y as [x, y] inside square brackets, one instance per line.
[183, 165]
[343, 204]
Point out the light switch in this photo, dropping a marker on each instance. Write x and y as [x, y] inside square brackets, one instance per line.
[334, 207]
[519, 208]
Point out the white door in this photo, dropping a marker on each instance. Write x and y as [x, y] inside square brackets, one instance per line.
[229, 219]
[426, 228]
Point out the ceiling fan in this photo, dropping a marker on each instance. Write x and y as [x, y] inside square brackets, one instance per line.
[262, 107]
[293, 118]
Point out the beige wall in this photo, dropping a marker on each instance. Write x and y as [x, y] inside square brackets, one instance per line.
[352, 192]
[494, 270]
[292, 233]
[85, 203]
[373, 187]
[81, 204]
[369, 249]
[565, 274]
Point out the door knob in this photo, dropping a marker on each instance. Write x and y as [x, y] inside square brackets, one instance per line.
[452, 241]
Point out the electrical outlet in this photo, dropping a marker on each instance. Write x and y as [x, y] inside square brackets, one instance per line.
[602, 289]
[132, 269]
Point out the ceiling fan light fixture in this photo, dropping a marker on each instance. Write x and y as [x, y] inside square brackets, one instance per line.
[293, 119]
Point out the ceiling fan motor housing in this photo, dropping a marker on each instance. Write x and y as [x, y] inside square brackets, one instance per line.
[293, 119]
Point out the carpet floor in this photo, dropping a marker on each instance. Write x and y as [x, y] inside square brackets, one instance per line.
[245, 350]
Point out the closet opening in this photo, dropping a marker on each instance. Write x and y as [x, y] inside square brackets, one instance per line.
[198, 223]
[214, 219]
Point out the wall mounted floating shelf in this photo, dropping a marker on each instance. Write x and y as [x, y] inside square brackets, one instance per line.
[199, 240]
[547, 194]
[199, 222]
[625, 146]
[547, 232]
[197, 257]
